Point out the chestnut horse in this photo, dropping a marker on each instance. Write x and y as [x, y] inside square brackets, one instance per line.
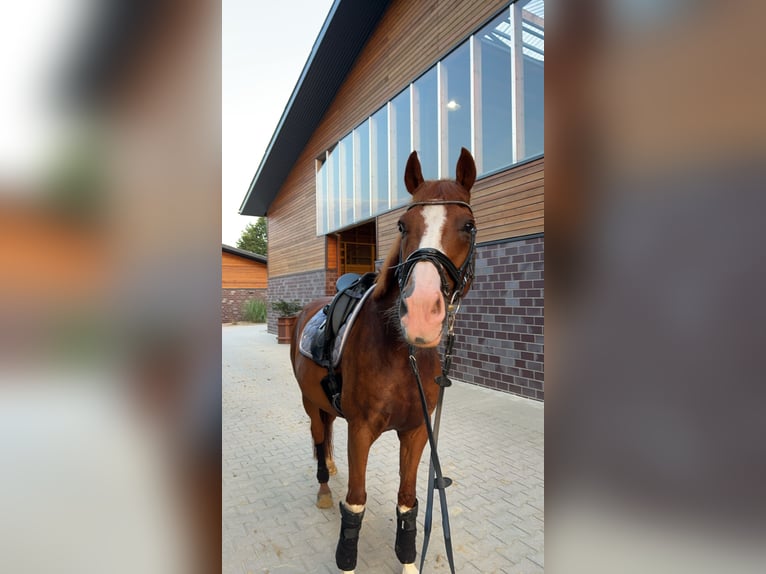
[429, 268]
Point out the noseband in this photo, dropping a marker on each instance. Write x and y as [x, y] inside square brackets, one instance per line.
[461, 277]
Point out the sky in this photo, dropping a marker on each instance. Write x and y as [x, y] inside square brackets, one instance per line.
[264, 48]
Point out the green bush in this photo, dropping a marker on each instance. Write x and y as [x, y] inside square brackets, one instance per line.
[255, 311]
[286, 308]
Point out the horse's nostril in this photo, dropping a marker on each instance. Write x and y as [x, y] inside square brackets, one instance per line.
[437, 308]
[402, 308]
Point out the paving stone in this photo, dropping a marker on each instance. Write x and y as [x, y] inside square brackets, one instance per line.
[490, 444]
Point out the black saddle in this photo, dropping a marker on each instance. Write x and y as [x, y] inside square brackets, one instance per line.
[350, 287]
[349, 291]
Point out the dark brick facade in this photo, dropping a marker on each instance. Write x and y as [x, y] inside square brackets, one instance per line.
[232, 301]
[499, 330]
[301, 287]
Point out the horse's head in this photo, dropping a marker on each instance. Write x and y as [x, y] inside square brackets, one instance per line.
[436, 249]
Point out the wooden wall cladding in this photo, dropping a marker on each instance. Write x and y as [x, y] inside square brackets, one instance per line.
[242, 273]
[511, 203]
[293, 243]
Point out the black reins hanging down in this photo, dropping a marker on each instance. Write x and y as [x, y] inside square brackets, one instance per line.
[435, 477]
[461, 279]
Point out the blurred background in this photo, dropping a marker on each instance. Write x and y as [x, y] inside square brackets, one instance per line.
[655, 144]
[110, 177]
[110, 162]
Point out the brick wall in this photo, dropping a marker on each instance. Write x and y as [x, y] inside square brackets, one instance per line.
[301, 287]
[499, 330]
[232, 301]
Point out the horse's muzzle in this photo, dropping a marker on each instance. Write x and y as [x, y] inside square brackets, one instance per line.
[422, 311]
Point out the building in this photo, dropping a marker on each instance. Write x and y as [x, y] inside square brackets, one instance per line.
[387, 77]
[243, 277]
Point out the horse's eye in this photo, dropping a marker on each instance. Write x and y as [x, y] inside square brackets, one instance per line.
[469, 226]
[402, 229]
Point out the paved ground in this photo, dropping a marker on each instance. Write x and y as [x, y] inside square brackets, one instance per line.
[491, 445]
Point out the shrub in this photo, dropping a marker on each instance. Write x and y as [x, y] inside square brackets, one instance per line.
[286, 308]
[254, 310]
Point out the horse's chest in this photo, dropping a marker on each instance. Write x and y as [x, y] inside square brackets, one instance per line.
[401, 408]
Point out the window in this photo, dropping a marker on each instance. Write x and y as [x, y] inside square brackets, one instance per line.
[362, 201]
[379, 160]
[401, 147]
[333, 190]
[495, 121]
[322, 223]
[455, 107]
[533, 48]
[346, 184]
[425, 126]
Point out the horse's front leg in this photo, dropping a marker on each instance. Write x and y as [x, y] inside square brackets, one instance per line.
[360, 439]
[411, 445]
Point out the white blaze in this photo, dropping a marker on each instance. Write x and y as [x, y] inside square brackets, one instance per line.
[422, 323]
[434, 217]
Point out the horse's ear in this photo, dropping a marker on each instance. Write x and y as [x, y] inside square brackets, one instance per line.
[413, 175]
[465, 172]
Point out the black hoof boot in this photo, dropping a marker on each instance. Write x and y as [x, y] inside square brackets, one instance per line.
[406, 531]
[350, 525]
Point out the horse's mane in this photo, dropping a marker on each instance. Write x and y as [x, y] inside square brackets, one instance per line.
[387, 278]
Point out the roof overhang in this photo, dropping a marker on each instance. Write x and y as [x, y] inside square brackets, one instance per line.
[346, 30]
[243, 253]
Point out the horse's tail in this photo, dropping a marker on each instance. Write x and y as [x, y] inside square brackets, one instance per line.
[327, 420]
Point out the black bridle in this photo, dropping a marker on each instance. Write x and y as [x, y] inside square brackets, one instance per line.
[461, 281]
[461, 277]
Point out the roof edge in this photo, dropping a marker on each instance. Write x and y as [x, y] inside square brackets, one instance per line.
[244, 253]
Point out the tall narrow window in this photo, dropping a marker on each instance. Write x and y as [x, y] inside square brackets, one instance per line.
[493, 70]
[533, 36]
[379, 157]
[333, 189]
[346, 181]
[321, 196]
[425, 123]
[362, 171]
[455, 107]
[400, 146]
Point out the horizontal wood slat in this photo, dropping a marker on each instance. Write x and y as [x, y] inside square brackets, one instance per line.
[242, 273]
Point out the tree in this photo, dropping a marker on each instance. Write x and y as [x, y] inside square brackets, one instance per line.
[255, 237]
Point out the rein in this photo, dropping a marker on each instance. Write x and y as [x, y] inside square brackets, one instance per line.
[435, 477]
[461, 279]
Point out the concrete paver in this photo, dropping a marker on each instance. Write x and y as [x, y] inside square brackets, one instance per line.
[490, 444]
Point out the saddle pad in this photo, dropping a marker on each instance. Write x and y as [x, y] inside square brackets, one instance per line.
[311, 331]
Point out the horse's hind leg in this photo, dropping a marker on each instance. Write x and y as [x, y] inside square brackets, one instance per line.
[321, 433]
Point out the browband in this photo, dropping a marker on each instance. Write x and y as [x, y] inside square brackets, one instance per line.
[439, 202]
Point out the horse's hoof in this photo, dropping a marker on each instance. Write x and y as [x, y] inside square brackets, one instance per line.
[333, 470]
[324, 500]
[409, 569]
